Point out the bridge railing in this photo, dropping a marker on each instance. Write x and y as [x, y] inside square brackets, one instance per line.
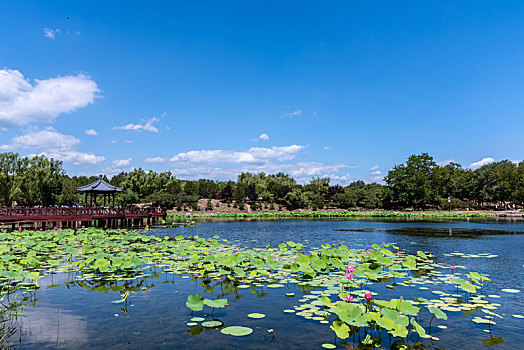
[78, 211]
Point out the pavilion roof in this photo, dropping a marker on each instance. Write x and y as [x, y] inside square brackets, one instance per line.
[99, 186]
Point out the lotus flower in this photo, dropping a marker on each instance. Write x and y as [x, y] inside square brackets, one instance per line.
[349, 268]
[453, 267]
[349, 275]
[368, 296]
[348, 298]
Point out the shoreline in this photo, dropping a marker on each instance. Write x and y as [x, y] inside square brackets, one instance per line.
[336, 214]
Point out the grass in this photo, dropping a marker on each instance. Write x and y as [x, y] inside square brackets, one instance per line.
[336, 214]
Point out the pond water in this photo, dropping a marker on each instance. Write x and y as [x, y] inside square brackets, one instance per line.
[75, 317]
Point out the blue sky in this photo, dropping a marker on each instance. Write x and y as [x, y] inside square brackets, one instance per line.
[209, 89]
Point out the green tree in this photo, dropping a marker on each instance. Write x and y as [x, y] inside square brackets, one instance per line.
[240, 193]
[412, 183]
[296, 199]
[69, 194]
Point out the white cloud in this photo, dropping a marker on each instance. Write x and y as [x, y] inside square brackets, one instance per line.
[482, 162]
[326, 148]
[227, 164]
[374, 167]
[128, 141]
[22, 103]
[118, 165]
[155, 160]
[296, 113]
[376, 172]
[91, 132]
[253, 155]
[122, 162]
[51, 33]
[48, 139]
[301, 171]
[445, 162]
[264, 137]
[52, 144]
[145, 126]
[75, 157]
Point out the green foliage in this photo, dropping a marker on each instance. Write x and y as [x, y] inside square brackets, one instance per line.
[296, 199]
[195, 302]
[419, 183]
[29, 181]
[411, 183]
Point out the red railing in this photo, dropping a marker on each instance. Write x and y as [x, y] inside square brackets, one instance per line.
[78, 211]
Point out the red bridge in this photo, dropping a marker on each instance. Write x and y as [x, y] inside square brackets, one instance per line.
[72, 217]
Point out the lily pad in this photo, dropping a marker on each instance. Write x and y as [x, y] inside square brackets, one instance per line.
[256, 315]
[237, 331]
[211, 324]
[509, 290]
[329, 346]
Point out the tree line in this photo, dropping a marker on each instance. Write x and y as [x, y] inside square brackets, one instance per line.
[419, 183]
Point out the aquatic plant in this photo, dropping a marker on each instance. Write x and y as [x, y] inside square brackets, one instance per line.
[336, 280]
[331, 214]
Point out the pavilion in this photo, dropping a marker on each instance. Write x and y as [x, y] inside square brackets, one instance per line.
[99, 187]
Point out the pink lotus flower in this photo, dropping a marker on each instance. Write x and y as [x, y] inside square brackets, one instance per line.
[370, 251]
[368, 296]
[348, 298]
[349, 275]
[349, 268]
[453, 267]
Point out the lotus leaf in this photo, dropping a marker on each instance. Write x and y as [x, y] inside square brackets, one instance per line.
[195, 302]
[237, 331]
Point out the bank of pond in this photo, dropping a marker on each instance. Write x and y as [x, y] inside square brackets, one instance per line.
[119, 288]
[335, 214]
